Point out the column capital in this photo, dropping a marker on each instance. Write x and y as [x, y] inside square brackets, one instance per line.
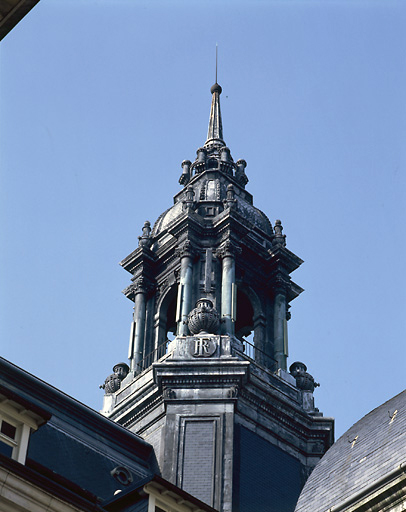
[280, 283]
[228, 249]
[186, 250]
[141, 285]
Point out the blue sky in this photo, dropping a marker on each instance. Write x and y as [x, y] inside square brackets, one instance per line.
[100, 103]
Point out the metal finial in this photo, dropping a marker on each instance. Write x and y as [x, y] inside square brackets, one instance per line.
[216, 59]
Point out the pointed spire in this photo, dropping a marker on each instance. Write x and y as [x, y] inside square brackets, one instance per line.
[215, 132]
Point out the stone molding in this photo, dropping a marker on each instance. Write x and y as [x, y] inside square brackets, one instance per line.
[228, 249]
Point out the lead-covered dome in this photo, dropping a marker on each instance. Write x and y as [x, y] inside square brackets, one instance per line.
[357, 466]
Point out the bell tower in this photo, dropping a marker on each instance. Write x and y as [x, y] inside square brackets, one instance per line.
[207, 383]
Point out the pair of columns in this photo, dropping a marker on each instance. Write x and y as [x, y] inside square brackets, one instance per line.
[228, 287]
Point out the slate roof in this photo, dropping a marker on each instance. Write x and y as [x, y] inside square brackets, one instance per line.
[367, 452]
[76, 443]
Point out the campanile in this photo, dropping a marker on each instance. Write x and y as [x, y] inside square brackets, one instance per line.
[208, 383]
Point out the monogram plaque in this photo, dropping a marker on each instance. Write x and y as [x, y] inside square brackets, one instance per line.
[201, 346]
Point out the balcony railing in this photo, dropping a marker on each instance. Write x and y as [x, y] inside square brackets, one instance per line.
[256, 356]
[153, 356]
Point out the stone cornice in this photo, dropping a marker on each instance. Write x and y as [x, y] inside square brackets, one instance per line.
[279, 255]
[135, 413]
[294, 291]
[203, 373]
[143, 392]
[141, 255]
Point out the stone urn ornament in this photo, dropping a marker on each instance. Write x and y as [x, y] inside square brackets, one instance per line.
[304, 380]
[113, 381]
[203, 319]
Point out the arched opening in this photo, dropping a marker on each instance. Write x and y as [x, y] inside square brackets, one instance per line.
[250, 327]
[171, 319]
[165, 321]
[244, 325]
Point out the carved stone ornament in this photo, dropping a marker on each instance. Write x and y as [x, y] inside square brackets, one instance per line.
[304, 380]
[203, 346]
[230, 201]
[145, 240]
[188, 203]
[185, 176]
[279, 238]
[141, 285]
[122, 475]
[186, 250]
[228, 249]
[204, 318]
[281, 283]
[240, 175]
[169, 393]
[113, 381]
[232, 392]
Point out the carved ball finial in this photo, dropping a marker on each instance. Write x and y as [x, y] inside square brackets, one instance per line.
[145, 239]
[279, 238]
